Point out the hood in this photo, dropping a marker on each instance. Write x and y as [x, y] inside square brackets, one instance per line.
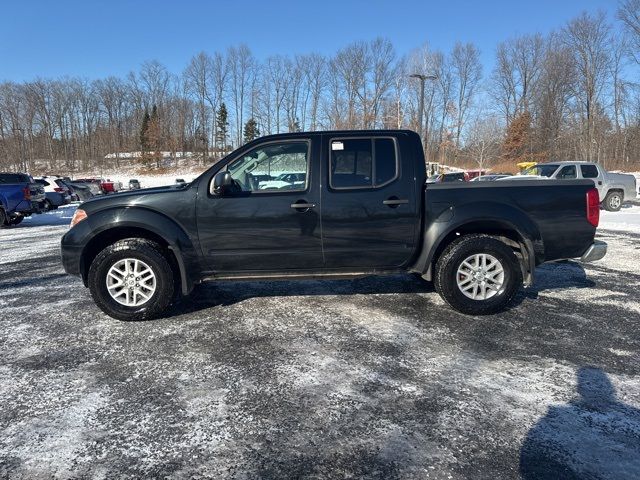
[129, 197]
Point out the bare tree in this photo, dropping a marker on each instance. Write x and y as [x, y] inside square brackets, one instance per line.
[629, 15]
[465, 61]
[589, 37]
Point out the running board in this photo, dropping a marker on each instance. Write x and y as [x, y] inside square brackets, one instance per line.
[300, 275]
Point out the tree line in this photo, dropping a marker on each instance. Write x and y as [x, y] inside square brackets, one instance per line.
[571, 94]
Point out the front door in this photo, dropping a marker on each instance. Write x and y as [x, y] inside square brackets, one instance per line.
[370, 211]
[270, 221]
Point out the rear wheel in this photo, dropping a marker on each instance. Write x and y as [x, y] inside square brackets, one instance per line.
[612, 201]
[478, 275]
[132, 280]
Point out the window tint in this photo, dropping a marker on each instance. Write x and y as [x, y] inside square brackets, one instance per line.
[589, 171]
[386, 165]
[353, 164]
[13, 178]
[567, 172]
[277, 166]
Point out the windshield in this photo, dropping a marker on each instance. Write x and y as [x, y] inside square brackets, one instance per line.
[541, 170]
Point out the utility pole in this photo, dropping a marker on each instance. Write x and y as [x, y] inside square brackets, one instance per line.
[423, 79]
[23, 161]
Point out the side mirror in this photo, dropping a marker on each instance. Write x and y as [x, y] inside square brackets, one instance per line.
[221, 184]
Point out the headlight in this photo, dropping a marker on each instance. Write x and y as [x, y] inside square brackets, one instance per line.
[78, 216]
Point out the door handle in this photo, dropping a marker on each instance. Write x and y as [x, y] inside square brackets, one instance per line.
[394, 201]
[305, 206]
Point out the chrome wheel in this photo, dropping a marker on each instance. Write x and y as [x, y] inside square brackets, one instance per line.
[131, 282]
[480, 276]
[615, 201]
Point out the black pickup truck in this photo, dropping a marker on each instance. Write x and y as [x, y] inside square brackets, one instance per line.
[339, 204]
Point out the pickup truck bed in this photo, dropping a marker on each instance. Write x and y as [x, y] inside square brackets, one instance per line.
[361, 208]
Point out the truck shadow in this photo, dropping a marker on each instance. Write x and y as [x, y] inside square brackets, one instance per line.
[592, 436]
[224, 293]
[557, 276]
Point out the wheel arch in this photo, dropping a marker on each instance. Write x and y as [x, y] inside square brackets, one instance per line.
[508, 224]
[109, 227]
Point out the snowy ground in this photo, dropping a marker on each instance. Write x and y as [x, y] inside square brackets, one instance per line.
[368, 378]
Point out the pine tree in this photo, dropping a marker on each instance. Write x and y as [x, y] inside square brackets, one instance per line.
[251, 131]
[222, 123]
[154, 136]
[144, 128]
[294, 126]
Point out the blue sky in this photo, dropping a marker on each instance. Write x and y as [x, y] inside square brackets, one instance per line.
[94, 38]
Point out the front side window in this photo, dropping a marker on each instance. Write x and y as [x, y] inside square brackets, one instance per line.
[567, 172]
[273, 167]
[362, 162]
[589, 171]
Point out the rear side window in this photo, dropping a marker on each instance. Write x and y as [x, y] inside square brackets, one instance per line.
[589, 171]
[567, 172]
[362, 162]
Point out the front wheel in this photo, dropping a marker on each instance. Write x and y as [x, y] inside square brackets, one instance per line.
[478, 275]
[132, 280]
[612, 201]
[3, 219]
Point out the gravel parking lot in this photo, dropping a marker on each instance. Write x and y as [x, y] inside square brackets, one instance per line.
[368, 378]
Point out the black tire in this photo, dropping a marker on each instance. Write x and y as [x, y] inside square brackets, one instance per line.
[613, 201]
[3, 219]
[137, 248]
[16, 220]
[447, 267]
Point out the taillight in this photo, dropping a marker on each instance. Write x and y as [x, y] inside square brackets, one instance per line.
[593, 207]
[27, 193]
[59, 190]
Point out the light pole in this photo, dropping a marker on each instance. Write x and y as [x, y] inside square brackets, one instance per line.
[423, 79]
[23, 162]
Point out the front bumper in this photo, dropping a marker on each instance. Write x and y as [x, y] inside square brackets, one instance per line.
[596, 251]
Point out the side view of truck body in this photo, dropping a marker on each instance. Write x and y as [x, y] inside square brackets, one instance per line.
[613, 188]
[358, 205]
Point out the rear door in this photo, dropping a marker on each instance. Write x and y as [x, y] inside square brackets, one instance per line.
[369, 207]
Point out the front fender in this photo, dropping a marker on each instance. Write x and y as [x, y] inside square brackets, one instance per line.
[79, 240]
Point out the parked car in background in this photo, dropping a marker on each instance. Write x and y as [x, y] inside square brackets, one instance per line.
[134, 184]
[363, 210]
[56, 195]
[284, 181]
[449, 177]
[613, 188]
[110, 186]
[180, 181]
[20, 197]
[95, 184]
[81, 191]
[488, 178]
